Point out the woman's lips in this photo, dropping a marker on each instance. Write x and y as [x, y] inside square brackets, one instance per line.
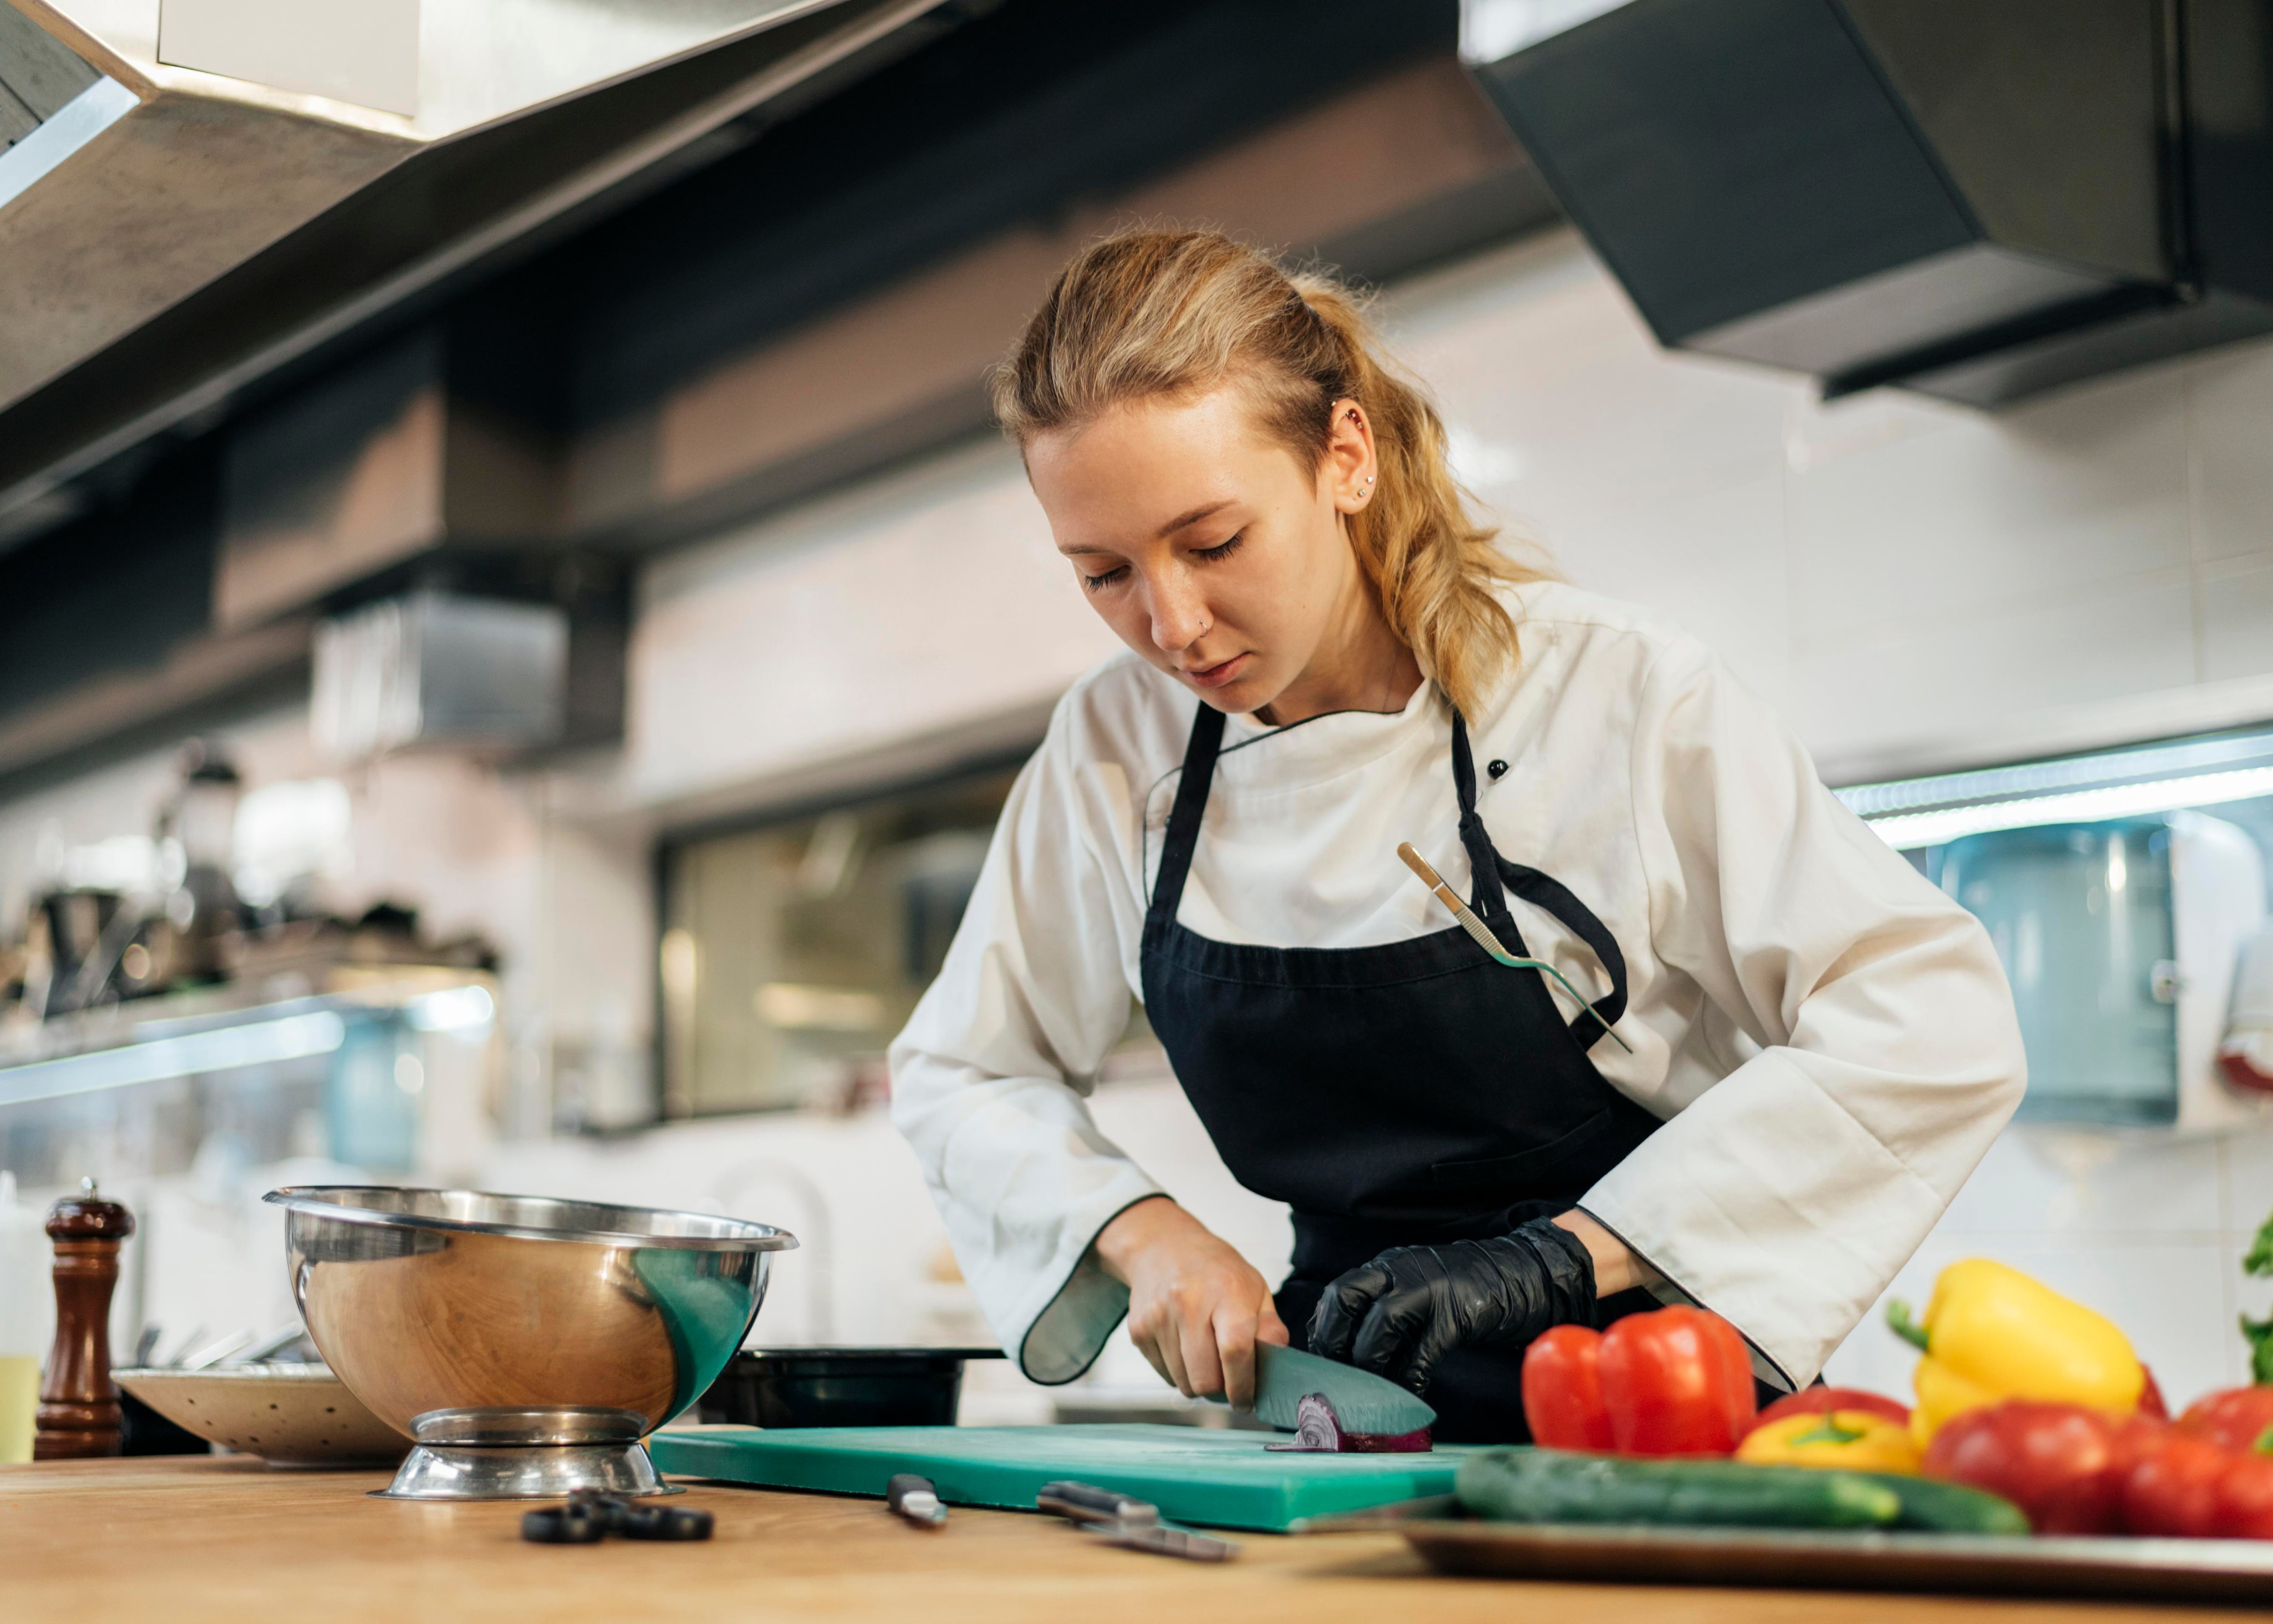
[1217, 675]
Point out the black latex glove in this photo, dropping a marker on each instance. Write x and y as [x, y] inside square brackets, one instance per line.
[1401, 1313]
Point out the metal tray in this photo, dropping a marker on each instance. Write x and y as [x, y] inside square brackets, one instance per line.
[2194, 1570]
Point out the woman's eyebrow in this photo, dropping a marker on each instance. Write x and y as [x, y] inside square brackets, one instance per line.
[1181, 521]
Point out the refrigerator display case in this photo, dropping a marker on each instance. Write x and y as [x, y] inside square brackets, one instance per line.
[2122, 889]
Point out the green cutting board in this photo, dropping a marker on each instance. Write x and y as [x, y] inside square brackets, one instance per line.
[1224, 1479]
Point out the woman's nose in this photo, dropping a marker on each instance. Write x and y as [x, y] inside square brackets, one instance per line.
[1179, 617]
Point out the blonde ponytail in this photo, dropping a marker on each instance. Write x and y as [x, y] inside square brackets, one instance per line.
[1150, 313]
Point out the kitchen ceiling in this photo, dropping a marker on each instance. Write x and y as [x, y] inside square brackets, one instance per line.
[197, 192]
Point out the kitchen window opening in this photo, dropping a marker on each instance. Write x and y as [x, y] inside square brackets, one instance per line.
[793, 950]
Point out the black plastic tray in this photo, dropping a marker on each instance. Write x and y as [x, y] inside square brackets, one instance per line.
[840, 1387]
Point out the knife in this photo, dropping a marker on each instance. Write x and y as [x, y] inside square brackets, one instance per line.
[1163, 1540]
[1085, 1502]
[916, 1498]
[1118, 1519]
[1362, 1401]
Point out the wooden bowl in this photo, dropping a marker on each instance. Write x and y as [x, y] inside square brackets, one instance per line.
[288, 1415]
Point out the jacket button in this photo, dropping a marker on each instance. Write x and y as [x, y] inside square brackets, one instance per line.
[1497, 769]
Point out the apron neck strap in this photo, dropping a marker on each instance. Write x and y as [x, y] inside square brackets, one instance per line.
[1183, 834]
[1486, 897]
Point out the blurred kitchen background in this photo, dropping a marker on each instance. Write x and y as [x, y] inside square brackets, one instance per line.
[514, 628]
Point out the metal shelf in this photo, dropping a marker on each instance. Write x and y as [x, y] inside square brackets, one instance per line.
[284, 1017]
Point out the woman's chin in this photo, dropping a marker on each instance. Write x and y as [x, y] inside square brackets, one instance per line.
[1237, 697]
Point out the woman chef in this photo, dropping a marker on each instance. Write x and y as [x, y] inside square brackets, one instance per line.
[1795, 1049]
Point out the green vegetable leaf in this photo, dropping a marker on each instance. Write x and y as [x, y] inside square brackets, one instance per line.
[2258, 1259]
[2259, 1335]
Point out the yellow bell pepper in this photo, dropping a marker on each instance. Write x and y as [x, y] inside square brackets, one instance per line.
[1990, 1333]
[1842, 1441]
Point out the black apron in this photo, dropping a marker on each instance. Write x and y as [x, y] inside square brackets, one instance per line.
[1410, 1094]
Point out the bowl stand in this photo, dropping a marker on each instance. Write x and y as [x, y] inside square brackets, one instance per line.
[525, 1454]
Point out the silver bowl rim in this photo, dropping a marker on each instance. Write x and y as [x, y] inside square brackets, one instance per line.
[748, 1235]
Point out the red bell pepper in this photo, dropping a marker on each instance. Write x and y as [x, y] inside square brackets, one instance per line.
[2060, 1463]
[1677, 1381]
[1823, 1401]
[1563, 1389]
[2239, 1418]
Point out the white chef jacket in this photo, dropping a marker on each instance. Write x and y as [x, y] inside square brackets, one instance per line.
[1829, 1040]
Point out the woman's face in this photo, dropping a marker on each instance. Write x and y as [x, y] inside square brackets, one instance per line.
[1209, 548]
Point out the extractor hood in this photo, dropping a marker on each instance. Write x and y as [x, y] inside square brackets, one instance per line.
[1975, 198]
[194, 191]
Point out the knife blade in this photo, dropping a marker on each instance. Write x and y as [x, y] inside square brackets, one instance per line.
[1163, 1540]
[1362, 1401]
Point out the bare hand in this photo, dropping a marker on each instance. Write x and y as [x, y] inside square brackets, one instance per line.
[1196, 1307]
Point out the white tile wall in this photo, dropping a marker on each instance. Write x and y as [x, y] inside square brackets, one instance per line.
[2230, 403]
[2236, 615]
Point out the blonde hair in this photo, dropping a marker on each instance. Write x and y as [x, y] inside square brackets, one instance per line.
[1148, 314]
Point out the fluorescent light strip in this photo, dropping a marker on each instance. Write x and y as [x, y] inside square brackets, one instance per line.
[2192, 757]
[1909, 831]
[224, 1049]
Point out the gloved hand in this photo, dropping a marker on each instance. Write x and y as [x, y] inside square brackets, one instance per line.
[1401, 1313]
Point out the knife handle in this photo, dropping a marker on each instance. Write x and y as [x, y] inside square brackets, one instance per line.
[915, 1498]
[1085, 1502]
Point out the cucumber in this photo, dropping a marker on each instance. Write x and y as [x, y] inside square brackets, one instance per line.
[1951, 1508]
[1524, 1484]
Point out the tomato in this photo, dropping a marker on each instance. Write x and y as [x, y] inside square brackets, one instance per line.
[1677, 1381]
[2245, 1498]
[2174, 1483]
[1823, 1401]
[2060, 1463]
[1563, 1389]
[2238, 1418]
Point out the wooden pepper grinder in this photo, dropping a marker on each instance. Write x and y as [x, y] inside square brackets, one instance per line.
[79, 1402]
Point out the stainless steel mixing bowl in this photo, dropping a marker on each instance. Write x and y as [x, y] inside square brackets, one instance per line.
[525, 1344]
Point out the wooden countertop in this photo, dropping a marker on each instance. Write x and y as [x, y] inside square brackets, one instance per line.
[192, 1538]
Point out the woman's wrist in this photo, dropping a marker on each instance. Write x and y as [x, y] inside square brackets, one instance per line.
[1616, 1268]
[1136, 1228]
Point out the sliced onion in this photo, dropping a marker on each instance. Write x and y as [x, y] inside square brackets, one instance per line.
[1318, 1431]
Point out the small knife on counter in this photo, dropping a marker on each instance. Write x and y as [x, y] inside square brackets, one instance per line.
[1117, 1519]
[1085, 1502]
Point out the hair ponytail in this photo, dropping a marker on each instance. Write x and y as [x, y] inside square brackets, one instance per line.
[1150, 313]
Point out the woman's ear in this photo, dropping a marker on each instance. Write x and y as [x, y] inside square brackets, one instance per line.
[1350, 469]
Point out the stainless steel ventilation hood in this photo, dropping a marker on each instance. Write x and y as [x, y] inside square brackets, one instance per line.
[1976, 199]
[194, 191]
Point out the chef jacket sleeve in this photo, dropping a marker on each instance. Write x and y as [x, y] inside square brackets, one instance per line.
[1785, 1196]
[990, 1077]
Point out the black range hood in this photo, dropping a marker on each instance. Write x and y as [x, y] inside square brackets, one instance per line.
[1978, 199]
